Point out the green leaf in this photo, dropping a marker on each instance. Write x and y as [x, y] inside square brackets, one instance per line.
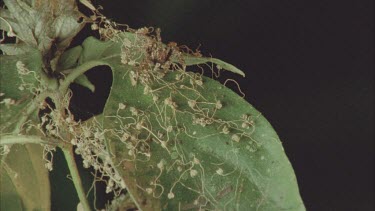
[42, 24]
[183, 142]
[14, 49]
[24, 179]
[69, 58]
[122, 202]
[16, 86]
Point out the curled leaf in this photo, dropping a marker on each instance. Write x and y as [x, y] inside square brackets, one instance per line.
[84, 81]
[194, 60]
[69, 59]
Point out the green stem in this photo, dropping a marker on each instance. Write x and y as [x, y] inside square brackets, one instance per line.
[76, 72]
[30, 109]
[22, 139]
[69, 156]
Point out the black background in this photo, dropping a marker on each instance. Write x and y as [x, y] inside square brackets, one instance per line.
[309, 69]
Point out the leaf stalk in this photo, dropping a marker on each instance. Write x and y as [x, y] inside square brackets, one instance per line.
[69, 156]
[24, 139]
[76, 72]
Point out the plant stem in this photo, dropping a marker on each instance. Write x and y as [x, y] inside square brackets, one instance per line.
[32, 107]
[77, 72]
[22, 139]
[69, 156]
